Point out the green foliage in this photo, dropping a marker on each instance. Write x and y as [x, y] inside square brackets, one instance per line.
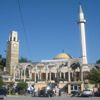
[22, 59]
[21, 87]
[1, 81]
[2, 62]
[94, 76]
[98, 61]
[74, 66]
[0, 56]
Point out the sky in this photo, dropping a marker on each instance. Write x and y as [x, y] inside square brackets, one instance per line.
[48, 27]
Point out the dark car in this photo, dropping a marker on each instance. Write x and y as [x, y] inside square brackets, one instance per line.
[75, 93]
[46, 92]
[97, 94]
[3, 91]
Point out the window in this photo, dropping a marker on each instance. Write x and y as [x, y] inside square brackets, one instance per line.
[14, 39]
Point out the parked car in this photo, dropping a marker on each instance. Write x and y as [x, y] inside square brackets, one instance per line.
[97, 94]
[62, 93]
[75, 93]
[86, 93]
[1, 97]
[3, 92]
[46, 92]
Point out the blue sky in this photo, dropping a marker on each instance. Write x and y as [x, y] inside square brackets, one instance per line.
[50, 26]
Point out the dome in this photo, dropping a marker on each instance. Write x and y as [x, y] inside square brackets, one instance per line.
[62, 56]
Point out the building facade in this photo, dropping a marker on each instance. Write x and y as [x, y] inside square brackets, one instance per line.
[57, 70]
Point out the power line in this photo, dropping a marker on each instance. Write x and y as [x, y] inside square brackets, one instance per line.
[21, 16]
[24, 28]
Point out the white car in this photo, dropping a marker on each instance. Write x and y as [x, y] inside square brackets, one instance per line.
[1, 97]
[87, 93]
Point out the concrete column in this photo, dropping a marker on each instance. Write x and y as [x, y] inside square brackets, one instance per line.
[64, 75]
[34, 76]
[14, 72]
[24, 76]
[46, 75]
[69, 88]
[46, 71]
[29, 72]
[60, 75]
[55, 75]
[38, 76]
[21, 74]
[81, 73]
[50, 76]
[69, 76]
[82, 86]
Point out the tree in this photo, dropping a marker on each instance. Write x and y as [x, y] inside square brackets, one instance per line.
[97, 66]
[98, 61]
[94, 76]
[2, 63]
[74, 66]
[21, 87]
[1, 81]
[23, 60]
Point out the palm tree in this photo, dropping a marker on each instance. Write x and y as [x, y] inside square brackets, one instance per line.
[74, 66]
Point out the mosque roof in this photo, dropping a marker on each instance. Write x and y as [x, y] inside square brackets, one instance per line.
[62, 56]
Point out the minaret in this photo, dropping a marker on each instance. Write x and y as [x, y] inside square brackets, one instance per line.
[12, 55]
[81, 22]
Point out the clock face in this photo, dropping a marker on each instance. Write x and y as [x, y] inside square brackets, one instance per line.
[15, 45]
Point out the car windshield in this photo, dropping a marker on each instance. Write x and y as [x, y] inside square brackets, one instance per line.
[86, 90]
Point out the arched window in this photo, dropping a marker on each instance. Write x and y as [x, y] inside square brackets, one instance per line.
[14, 39]
[27, 72]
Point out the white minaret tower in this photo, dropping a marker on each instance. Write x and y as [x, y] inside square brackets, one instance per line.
[81, 22]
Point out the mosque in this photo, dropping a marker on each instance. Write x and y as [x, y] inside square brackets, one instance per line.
[57, 70]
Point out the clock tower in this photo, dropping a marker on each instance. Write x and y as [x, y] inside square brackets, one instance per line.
[12, 51]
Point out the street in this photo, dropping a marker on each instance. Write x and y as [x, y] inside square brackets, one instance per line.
[52, 98]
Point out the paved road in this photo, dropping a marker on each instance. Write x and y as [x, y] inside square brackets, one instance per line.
[52, 98]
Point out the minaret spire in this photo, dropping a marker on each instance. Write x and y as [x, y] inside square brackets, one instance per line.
[81, 22]
[81, 11]
[81, 15]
